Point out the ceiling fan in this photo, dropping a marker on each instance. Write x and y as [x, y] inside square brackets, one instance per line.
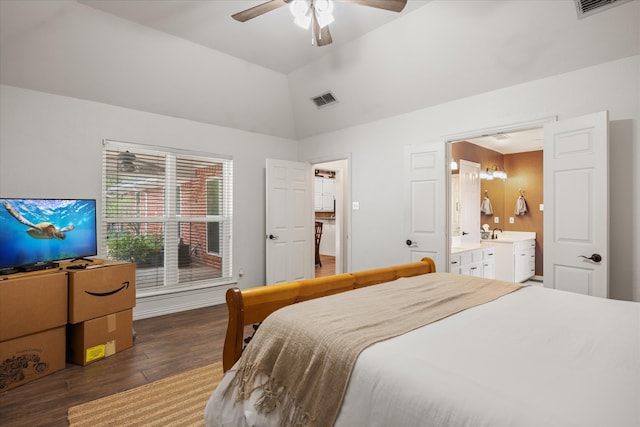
[316, 14]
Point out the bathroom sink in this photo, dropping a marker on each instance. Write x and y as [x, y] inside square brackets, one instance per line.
[461, 247]
[512, 236]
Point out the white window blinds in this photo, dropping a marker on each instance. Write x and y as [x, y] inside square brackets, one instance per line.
[170, 212]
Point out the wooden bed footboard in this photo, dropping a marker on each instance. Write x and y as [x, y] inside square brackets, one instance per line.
[253, 305]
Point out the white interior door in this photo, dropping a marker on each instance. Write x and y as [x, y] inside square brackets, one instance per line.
[469, 202]
[289, 221]
[425, 198]
[576, 224]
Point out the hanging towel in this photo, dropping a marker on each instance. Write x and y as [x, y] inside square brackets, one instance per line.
[521, 206]
[486, 207]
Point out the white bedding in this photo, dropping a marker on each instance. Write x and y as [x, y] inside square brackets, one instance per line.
[536, 357]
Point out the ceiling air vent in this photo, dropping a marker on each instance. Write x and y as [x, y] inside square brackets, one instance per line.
[589, 7]
[324, 100]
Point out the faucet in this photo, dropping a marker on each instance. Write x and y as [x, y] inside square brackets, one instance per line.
[493, 233]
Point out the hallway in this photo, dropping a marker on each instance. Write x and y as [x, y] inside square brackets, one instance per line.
[328, 266]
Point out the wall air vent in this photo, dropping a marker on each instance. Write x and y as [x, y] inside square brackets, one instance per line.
[324, 100]
[589, 7]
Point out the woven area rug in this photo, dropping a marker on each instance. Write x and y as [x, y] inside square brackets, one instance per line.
[174, 401]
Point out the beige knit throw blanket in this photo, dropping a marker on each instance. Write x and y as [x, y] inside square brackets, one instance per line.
[301, 358]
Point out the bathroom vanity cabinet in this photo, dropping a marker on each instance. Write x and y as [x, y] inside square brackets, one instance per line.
[473, 261]
[515, 258]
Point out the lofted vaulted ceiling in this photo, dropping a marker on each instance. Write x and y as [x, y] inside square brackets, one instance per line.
[189, 59]
[270, 40]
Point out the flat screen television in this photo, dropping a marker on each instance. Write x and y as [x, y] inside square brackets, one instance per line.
[40, 231]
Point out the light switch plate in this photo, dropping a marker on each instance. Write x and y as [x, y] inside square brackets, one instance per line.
[356, 206]
[541, 206]
[496, 219]
[511, 220]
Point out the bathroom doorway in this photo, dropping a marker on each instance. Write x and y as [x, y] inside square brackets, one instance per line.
[510, 165]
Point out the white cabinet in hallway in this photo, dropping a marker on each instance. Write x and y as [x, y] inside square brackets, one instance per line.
[324, 194]
[328, 239]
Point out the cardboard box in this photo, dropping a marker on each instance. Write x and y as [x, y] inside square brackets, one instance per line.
[96, 339]
[30, 357]
[31, 303]
[101, 290]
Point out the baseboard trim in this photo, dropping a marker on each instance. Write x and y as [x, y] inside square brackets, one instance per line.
[160, 305]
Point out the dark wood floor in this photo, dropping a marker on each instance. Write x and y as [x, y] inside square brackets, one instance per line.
[328, 267]
[165, 346]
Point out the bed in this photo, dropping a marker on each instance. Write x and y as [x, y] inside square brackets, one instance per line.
[482, 353]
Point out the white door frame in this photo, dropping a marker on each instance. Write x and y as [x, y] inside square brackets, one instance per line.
[472, 134]
[343, 258]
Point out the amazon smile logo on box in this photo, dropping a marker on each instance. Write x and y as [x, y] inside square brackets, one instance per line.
[102, 290]
[125, 285]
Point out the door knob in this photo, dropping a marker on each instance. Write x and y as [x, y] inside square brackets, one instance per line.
[272, 237]
[594, 257]
[411, 243]
[464, 233]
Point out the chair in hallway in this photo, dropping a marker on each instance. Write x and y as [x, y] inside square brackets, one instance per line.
[318, 237]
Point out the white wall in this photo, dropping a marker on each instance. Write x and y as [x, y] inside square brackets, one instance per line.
[378, 233]
[68, 48]
[51, 146]
[448, 50]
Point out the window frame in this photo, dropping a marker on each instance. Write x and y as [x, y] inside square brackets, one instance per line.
[171, 218]
[218, 217]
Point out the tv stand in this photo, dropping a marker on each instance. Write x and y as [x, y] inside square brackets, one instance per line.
[38, 266]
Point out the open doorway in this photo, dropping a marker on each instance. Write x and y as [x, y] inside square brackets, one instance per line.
[330, 215]
[511, 165]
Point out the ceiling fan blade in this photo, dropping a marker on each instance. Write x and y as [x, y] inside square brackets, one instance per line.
[323, 38]
[392, 5]
[322, 35]
[258, 10]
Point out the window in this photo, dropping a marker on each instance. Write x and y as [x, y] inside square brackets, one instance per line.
[214, 201]
[170, 212]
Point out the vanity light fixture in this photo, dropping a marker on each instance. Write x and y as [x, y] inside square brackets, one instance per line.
[500, 174]
[493, 172]
[486, 174]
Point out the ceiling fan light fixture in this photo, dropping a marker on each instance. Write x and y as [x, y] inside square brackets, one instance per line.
[315, 14]
[303, 22]
[323, 6]
[299, 8]
[325, 19]
[303, 9]
[324, 12]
